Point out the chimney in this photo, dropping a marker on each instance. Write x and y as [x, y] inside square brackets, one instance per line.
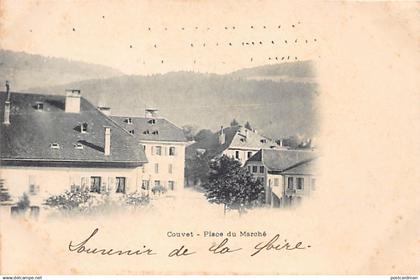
[107, 142]
[150, 113]
[105, 110]
[72, 104]
[7, 105]
[222, 136]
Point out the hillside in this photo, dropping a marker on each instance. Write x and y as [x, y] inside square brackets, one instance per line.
[277, 108]
[26, 70]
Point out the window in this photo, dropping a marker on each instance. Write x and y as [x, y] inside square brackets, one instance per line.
[33, 189]
[78, 146]
[39, 106]
[254, 169]
[83, 127]
[144, 147]
[170, 168]
[249, 154]
[290, 183]
[156, 167]
[95, 184]
[172, 151]
[131, 131]
[159, 150]
[155, 132]
[276, 182]
[261, 169]
[152, 121]
[249, 168]
[120, 184]
[171, 185]
[145, 184]
[55, 146]
[157, 183]
[299, 183]
[146, 132]
[128, 121]
[263, 140]
[237, 154]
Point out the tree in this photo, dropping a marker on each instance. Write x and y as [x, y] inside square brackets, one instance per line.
[232, 185]
[4, 193]
[189, 132]
[197, 168]
[248, 125]
[234, 122]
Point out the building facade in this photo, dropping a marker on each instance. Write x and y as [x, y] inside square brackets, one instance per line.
[287, 175]
[52, 143]
[164, 145]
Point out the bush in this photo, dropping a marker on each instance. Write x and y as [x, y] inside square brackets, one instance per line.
[83, 201]
[23, 202]
[70, 200]
[136, 199]
[159, 190]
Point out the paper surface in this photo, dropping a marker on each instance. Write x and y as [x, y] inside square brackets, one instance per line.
[363, 219]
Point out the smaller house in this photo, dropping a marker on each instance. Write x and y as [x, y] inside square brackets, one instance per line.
[237, 142]
[287, 175]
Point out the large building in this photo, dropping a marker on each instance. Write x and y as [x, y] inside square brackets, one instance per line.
[287, 175]
[53, 143]
[237, 142]
[164, 144]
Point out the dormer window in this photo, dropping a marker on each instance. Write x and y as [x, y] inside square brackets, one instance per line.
[155, 132]
[83, 127]
[152, 121]
[263, 140]
[243, 140]
[131, 131]
[39, 106]
[146, 132]
[129, 120]
[55, 146]
[78, 146]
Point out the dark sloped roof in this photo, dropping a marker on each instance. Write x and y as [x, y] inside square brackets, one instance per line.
[304, 167]
[166, 131]
[280, 160]
[239, 137]
[31, 132]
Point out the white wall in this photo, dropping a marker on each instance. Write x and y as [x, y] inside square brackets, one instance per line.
[55, 180]
[164, 160]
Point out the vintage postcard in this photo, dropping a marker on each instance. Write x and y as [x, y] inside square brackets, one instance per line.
[209, 137]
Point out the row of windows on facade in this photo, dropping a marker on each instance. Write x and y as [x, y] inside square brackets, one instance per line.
[145, 185]
[254, 169]
[170, 168]
[159, 150]
[294, 182]
[97, 186]
[77, 146]
[130, 121]
[248, 155]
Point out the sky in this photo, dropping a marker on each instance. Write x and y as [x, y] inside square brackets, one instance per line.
[144, 37]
